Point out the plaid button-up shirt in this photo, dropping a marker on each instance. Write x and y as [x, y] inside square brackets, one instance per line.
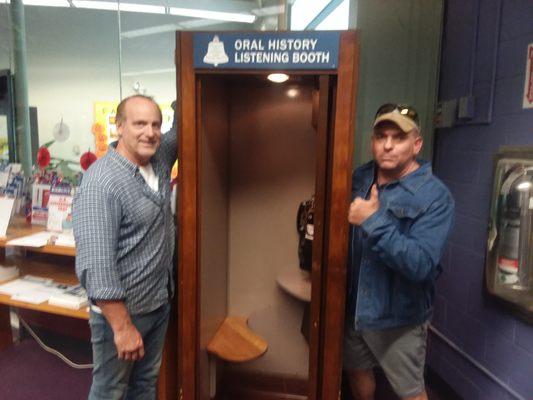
[124, 230]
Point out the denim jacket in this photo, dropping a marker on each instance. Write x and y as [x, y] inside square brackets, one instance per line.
[394, 255]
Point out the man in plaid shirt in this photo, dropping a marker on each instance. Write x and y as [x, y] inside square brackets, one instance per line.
[124, 233]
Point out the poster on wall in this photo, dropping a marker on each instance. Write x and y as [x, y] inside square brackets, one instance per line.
[104, 127]
[528, 85]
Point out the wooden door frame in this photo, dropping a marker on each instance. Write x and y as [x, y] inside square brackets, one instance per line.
[187, 268]
[339, 173]
[328, 317]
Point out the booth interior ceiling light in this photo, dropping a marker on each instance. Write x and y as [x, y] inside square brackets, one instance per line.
[278, 78]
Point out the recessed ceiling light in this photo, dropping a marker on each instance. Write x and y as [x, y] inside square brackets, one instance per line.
[278, 78]
[293, 92]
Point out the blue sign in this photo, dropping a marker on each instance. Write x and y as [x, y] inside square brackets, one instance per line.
[273, 50]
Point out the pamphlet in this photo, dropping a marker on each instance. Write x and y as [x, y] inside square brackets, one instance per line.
[6, 207]
[39, 239]
[60, 209]
[39, 203]
[75, 297]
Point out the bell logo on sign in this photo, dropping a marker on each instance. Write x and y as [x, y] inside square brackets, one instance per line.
[215, 53]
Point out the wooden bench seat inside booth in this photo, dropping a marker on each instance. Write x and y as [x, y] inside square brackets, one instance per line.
[234, 341]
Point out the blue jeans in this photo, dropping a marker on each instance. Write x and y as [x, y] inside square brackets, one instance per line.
[115, 379]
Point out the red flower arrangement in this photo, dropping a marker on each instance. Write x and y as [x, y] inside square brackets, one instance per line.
[43, 157]
[87, 159]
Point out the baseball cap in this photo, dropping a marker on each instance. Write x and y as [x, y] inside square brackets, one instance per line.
[402, 115]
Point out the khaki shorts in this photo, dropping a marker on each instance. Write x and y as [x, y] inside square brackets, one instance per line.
[400, 352]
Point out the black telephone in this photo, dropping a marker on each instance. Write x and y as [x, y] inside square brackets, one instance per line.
[305, 228]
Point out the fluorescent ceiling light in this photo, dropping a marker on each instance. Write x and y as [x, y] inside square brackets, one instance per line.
[218, 15]
[47, 3]
[150, 72]
[95, 5]
[143, 8]
[278, 78]
[113, 6]
[199, 23]
[153, 30]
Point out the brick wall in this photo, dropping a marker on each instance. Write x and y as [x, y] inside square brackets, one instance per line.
[496, 54]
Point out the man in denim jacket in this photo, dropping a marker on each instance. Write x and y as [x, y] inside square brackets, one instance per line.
[400, 219]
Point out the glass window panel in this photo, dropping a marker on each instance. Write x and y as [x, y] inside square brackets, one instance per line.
[147, 58]
[72, 65]
[5, 65]
[338, 19]
[303, 12]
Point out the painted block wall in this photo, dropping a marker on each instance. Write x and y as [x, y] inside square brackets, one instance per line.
[481, 328]
[398, 62]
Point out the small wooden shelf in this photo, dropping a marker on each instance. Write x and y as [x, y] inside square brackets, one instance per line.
[296, 282]
[235, 342]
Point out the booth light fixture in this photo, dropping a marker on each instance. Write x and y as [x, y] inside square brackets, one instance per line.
[293, 92]
[278, 78]
[218, 15]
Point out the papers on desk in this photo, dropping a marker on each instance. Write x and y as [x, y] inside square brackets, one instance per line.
[73, 298]
[37, 290]
[64, 239]
[34, 291]
[8, 273]
[41, 239]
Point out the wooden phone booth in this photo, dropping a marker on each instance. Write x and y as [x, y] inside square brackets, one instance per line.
[250, 151]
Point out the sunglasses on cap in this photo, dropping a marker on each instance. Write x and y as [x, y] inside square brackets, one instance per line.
[403, 109]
